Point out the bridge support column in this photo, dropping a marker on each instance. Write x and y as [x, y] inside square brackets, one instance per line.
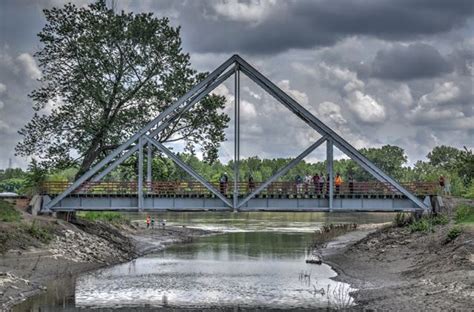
[149, 161]
[236, 138]
[140, 174]
[329, 162]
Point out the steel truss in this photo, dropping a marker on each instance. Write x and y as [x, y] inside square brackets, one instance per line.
[233, 66]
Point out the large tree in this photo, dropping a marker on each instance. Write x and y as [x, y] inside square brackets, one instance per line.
[104, 75]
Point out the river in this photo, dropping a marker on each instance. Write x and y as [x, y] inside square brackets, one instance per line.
[258, 261]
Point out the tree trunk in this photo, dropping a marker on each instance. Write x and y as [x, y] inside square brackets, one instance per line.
[90, 156]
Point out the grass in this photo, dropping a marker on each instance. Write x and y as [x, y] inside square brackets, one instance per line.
[8, 213]
[453, 233]
[107, 216]
[41, 232]
[426, 224]
[464, 214]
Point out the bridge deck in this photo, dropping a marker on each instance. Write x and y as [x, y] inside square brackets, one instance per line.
[279, 196]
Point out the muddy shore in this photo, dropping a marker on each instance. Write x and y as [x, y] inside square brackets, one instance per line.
[396, 270]
[77, 248]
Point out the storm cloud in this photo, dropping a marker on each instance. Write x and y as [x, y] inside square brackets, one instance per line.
[414, 61]
[378, 72]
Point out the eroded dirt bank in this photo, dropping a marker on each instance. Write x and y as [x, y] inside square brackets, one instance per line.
[26, 266]
[397, 270]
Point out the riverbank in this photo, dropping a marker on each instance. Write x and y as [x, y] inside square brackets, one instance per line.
[396, 269]
[70, 248]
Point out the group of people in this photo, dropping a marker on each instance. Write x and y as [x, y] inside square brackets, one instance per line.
[316, 183]
[319, 182]
[150, 222]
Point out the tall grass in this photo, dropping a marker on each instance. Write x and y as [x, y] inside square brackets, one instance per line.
[8, 213]
[464, 214]
[107, 216]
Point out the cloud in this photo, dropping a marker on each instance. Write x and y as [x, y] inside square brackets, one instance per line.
[365, 107]
[299, 96]
[252, 11]
[259, 27]
[441, 93]
[414, 61]
[28, 64]
[438, 109]
[402, 95]
[352, 90]
[3, 88]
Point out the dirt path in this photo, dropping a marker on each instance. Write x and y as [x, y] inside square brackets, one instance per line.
[77, 248]
[396, 270]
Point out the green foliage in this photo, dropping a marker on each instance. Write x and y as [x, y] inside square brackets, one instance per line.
[403, 219]
[14, 185]
[108, 216]
[464, 214]
[12, 173]
[453, 233]
[36, 175]
[107, 74]
[426, 224]
[8, 213]
[422, 225]
[469, 192]
[43, 233]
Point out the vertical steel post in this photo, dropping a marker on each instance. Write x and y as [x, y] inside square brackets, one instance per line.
[140, 174]
[149, 162]
[236, 137]
[329, 161]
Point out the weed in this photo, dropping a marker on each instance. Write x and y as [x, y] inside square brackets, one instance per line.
[422, 225]
[403, 219]
[453, 233]
[464, 214]
[8, 213]
[40, 232]
[108, 216]
[426, 224]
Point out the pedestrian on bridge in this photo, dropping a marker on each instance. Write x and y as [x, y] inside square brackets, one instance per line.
[223, 183]
[338, 182]
[316, 183]
[251, 184]
[351, 183]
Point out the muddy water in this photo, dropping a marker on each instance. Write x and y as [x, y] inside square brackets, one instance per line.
[257, 262]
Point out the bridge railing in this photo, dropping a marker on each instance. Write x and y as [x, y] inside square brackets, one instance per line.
[192, 188]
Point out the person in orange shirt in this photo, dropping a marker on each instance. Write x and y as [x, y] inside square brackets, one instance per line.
[338, 182]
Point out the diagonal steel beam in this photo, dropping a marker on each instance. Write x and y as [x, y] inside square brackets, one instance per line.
[283, 170]
[319, 126]
[164, 124]
[209, 79]
[188, 169]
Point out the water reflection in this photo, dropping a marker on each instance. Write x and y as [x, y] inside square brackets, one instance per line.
[236, 269]
[258, 262]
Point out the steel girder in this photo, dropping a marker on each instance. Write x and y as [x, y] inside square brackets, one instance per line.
[195, 95]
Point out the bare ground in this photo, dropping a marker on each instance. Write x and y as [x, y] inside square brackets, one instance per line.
[27, 263]
[396, 270]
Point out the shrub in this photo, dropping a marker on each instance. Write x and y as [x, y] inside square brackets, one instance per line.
[403, 219]
[422, 225]
[439, 219]
[464, 214]
[108, 216]
[453, 233]
[427, 223]
[8, 213]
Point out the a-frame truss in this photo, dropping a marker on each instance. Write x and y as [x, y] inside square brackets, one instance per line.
[233, 66]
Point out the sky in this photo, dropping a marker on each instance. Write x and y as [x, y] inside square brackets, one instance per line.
[376, 71]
